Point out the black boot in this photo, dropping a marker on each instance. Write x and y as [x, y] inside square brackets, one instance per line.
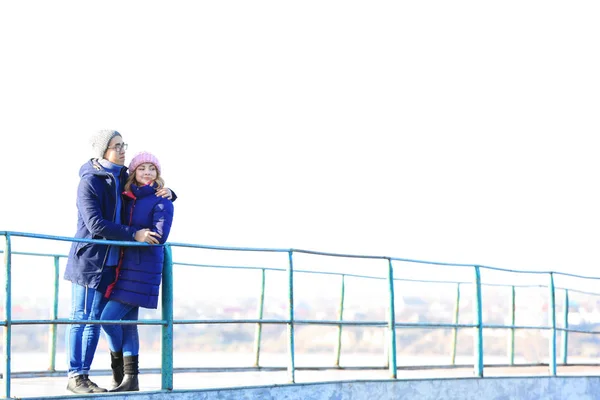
[116, 364]
[81, 384]
[130, 381]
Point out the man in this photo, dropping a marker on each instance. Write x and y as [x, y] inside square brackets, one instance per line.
[91, 266]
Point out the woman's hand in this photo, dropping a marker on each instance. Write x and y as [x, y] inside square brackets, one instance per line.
[147, 236]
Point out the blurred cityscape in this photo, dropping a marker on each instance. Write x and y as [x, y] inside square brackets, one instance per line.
[433, 306]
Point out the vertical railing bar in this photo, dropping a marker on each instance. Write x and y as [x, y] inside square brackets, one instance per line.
[54, 316]
[387, 344]
[392, 323]
[511, 337]
[478, 336]
[338, 346]
[7, 315]
[455, 322]
[565, 332]
[552, 320]
[258, 331]
[290, 325]
[167, 316]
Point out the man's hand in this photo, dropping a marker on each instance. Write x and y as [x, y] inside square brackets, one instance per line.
[147, 236]
[165, 192]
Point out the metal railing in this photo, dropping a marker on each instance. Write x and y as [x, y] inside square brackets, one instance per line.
[391, 325]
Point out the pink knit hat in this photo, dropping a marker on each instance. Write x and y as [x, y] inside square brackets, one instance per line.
[143, 157]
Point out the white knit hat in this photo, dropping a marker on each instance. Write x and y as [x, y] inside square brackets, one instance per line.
[100, 141]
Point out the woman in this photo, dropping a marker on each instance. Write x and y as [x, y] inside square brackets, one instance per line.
[139, 272]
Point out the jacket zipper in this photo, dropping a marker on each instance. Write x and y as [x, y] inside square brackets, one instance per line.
[85, 300]
[121, 255]
[113, 218]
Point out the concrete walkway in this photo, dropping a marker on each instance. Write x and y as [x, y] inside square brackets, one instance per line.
[55, 386]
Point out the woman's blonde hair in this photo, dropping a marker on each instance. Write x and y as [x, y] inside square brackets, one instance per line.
[160, 182]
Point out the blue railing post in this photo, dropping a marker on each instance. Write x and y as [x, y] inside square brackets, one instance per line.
[511, 337]
[455, 322]
[565, 332]
[478, 334]
[54, 316]
[291, 365]
[167, 316]
[552, 320]
[7, 316]
[258, 332]
[338, 345]
[392, 322]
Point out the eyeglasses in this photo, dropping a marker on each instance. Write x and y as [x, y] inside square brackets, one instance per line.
[118, 147]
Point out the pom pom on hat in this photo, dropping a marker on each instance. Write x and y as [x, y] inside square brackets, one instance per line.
[100, 141]
[143, 157]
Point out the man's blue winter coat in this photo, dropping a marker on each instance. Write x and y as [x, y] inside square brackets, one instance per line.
[96, 206]
[140, 271]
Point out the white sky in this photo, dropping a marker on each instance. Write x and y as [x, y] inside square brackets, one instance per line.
[462, 131]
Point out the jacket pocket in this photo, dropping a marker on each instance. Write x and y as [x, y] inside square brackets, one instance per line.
[81, 247]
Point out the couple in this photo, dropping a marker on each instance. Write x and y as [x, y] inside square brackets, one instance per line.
[109, 282]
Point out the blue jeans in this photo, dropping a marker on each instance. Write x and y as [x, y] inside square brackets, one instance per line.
[123, 338]
[82, 339]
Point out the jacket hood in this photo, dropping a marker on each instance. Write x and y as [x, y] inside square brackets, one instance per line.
[92, 167]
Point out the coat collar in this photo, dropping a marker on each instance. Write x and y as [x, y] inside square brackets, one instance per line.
[137, 192]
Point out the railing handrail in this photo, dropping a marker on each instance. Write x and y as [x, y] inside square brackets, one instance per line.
[462, 282]
[303, 251]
